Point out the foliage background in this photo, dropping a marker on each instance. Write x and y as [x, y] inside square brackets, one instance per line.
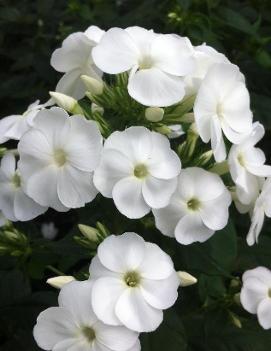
[205, 318]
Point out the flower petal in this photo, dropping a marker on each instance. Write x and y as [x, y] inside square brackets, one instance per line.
[157, 192]
[25, 208]
[135, 313]
[252, 293]
[152, 87]
[116, 52]
[97, 270]
[8, 165]
[191, 229]
[7, 196]
[122, 253]
[217, 142]
[264, 313]
[161, 294]
[71, 84]
[105, 294]
[128, 198]
[5, 124]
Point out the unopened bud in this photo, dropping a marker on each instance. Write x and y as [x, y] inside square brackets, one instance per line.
[235, 320]
[154, 114]
[220, 168]
[188, 118]
[163, 129]
[186, 279]
[89, 232]
[97, 108]
[66, 102]
[94, 86]
[60, 281]
[205, 158]
[237, 299]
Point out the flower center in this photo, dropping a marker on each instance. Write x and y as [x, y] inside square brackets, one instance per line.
[140, 171]
[241, 159]
[60, 157]
[145, 62]
[193, 204]
[219, 110]
[16, 180]
[132, 279]
[269, 292]
[88, 333]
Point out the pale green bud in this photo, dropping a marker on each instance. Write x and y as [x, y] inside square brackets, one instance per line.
[188, 118]
[66, 102]
[154, 114]
[235, 320]
[186, 279]
[60, 281]
[89, 232]
[94, 86]
[220, 168]
[165, 130]
[97, 108]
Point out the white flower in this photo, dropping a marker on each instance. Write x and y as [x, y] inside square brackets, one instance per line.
[57, 158]
[134, 281]
[197, 209]
[246, 163]
[3, 219]
[49, 230]
[156, 63]
[262, 207]
[205, 57]
[138, 170]
[256, 294]
[74, 59]
[13, 127]
[14, 203]
[223, 104]
[74, 326]
[176, 131]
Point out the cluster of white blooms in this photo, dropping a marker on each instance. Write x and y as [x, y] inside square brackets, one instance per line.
[116, 141]
[131, 282]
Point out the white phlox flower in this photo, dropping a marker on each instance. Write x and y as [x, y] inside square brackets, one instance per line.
[13, 127]
[138, 169]
[58, 157]
[261, 209]
[14, 203]
[246, 163]
[134, 281]
[73, 325]
[156, 63]
[223, 105]
[197, 209]
[256, 294]
[205, 57]
[74, 59]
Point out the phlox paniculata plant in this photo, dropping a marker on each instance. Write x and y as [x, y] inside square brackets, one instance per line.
[162, 129]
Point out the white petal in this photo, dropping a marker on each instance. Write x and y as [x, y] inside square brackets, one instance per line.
[128, 198]
[156, 264]
[255, 227]
[166, 219]
[157, 192]
[142, 38]
[135, 313]
[164, 162]
[173, 54]
[84, 143]
[252, 293]
[161, 294]
[71, 84]
[94, 33]
[113, 167]
[97, 270]
[7, 196]
[25, 208]
[75, 297]
[8, 165]
[152, 87]
[115, 338]
[215, 213]
[34, 143]
[191, 229]
[122, 253]
[5, 124]
[74, 187]
[74, 52]
[42, 187]
[116, 52]
[217, 141]
[18, 128]
[263, 274]
[53, 326]
[66, 344]
[105, 294]
[264, 313]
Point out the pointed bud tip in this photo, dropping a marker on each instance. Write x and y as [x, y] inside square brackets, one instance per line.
[93, 85]
[154, 114]
[88, 232]
[60, 281]
[186, 279]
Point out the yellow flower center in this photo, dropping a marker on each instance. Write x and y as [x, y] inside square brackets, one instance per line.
[219, 110]
[146, 62]
[60, 157]
[193, 204]
[132, 279]
[269, 292]
[241, 159]
[140, 171]
[88, 333]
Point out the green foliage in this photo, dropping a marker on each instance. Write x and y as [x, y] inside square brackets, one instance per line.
[206, 315]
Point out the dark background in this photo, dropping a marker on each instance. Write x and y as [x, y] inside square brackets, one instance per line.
[29, 32]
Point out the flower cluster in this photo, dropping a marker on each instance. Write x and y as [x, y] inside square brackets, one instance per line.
[163, 129]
